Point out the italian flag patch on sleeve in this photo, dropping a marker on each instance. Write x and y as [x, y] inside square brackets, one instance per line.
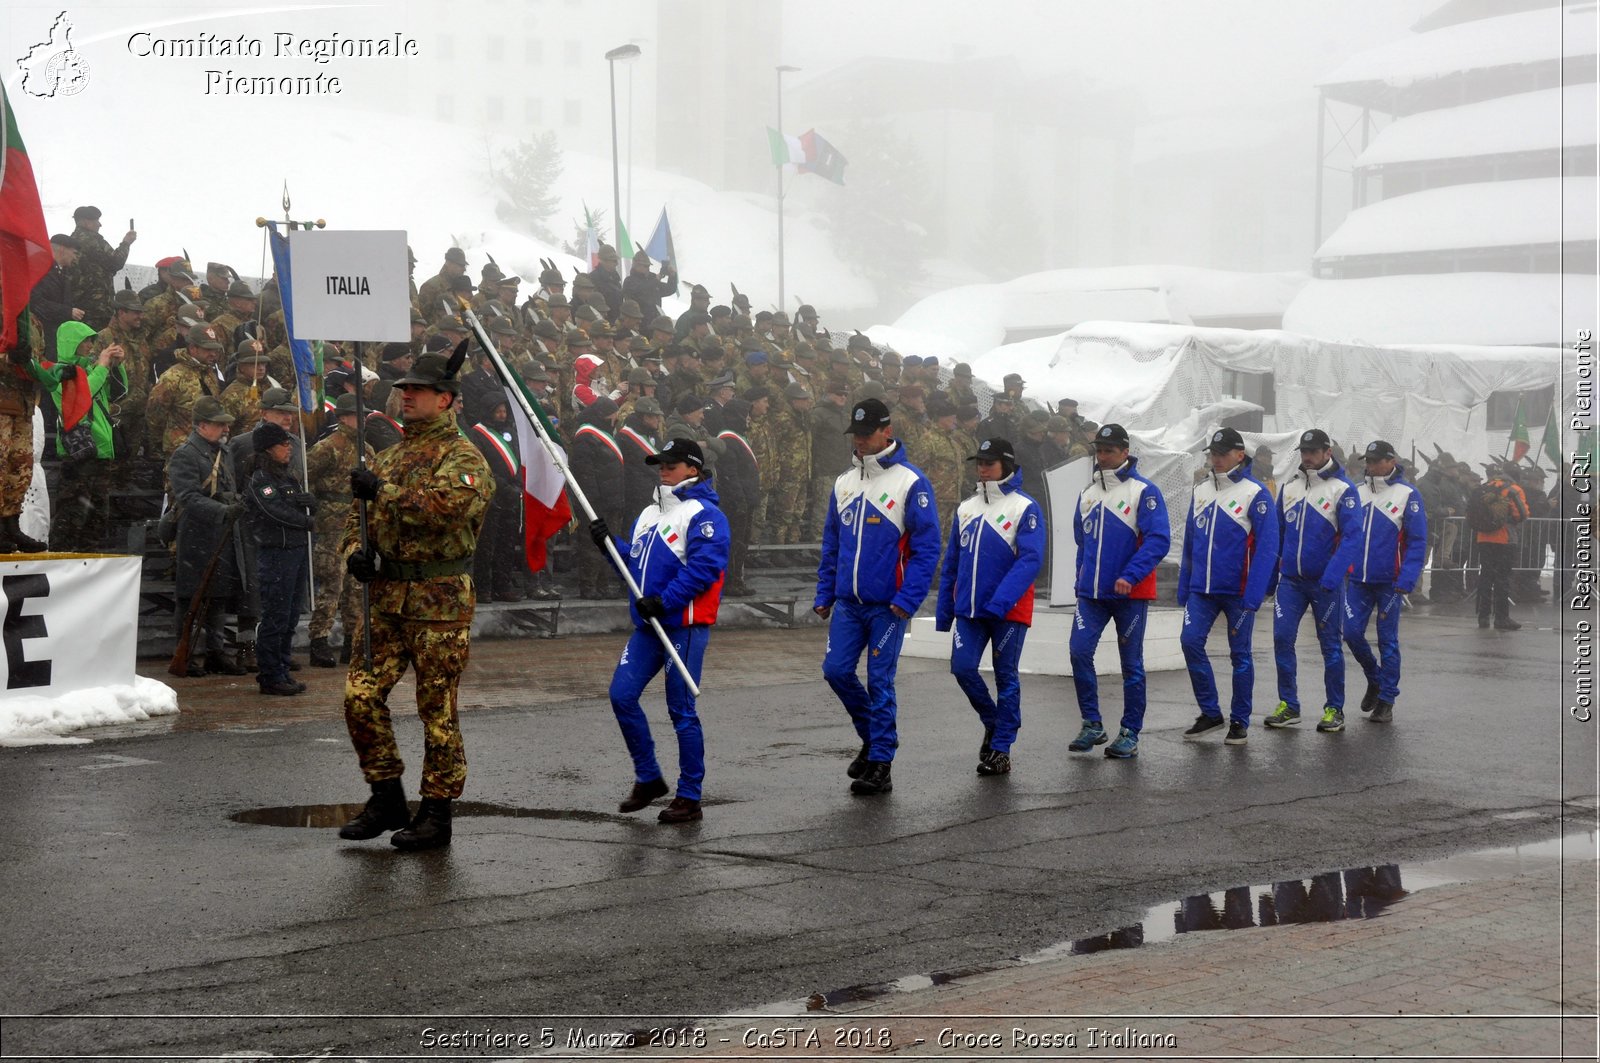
[469, 479]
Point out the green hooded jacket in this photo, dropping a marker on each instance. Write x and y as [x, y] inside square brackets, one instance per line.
[69, 337]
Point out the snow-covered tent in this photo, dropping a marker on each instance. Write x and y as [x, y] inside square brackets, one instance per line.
[1171, 385]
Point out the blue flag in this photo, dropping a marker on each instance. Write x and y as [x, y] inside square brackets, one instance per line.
[660, 246]
[305, 363]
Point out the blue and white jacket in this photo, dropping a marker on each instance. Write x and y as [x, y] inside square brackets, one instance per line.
[1122, 532]
[996, 547]
[1392, 542]
[1318, 509]
[680, 552]
[881, 539]
[1230, 543]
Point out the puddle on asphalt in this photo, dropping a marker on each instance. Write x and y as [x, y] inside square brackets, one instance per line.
[339, 815]
[1351, 893]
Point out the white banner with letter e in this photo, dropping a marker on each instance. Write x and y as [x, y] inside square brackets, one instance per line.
[71, 621]
[351, 285]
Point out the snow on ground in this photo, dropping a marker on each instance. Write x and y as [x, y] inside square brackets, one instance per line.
[370, 170]
[1525, 37]
[966, 321]
[1488, 214]
[1526, 121]
[31, 720]
[1443, 308]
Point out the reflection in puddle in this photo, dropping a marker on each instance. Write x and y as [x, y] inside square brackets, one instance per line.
[338, 815]
[1354, 893]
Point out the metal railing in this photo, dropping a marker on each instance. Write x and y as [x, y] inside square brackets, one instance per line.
[1542, 542]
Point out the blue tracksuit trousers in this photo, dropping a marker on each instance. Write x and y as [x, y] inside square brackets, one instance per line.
[855, 628]
[1198, 616]
[1003, 712]
[1360, 601]
[1295, 596]
[1129, 616]
[643, 657]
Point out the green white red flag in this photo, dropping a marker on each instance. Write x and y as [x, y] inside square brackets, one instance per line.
[24, 240]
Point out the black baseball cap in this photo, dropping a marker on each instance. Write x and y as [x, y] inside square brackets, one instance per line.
[1378, 450]
[1315, 439]
[995, 450]
[679, 452]
[1225, 439]
[866, 417]
[1111, 435]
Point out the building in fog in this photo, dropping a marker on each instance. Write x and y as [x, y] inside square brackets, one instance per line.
[1472, 205]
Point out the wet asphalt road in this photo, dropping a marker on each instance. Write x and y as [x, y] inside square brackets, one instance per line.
[127, 889]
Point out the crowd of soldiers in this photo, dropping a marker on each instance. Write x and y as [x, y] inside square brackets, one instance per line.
[765, 396]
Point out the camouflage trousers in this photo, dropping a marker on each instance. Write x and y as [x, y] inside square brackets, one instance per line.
[437, 649]
[79, 521]
[335, 592]
[821, 494]
[16, 462]
[786, 510]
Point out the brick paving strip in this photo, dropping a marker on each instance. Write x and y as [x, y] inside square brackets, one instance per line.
[1470, 971]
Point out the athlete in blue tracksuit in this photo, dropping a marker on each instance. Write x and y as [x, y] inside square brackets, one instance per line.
[1230, 551]
[1318, 509]
[1384, 559]
[678, 557]
[1122, 533]
[880, 544]
[996, 546]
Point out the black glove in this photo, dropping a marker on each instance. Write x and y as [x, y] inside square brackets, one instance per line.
[600, 533]
[233, 510]
[363, 565]
[65, 371]
[304, 499]
[364, 483]
[651, 605]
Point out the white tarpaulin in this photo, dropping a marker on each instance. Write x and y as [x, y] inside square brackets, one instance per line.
[71, 622]
[1171, 385]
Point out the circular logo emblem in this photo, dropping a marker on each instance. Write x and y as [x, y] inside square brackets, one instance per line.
[1372, 448]
[638, 548]
[922, 499]
[1149, 503]
[861, 415]
[708, 529]
[1200, 523]
[966, 539]
[66, 73]
[848, 517]
[1088, 526]
[984, 445]
[1292, 516]
[1306, 438]
[1105, 431]
[1216, 437]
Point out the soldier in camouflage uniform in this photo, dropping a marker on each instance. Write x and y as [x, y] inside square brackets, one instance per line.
[90, 276]
[168, 415]
[830, 451]
[328, 466]
[436, 287]
[20, 377]
[242, 398]
[214, 291]
[428, 495]
[240, 306]
[791, 434]
[911, 418]
[940, 455]
[768, 468]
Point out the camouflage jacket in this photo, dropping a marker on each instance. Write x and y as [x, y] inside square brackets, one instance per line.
[244, 402]
[90, 276]
[138, 364]
[328, 466]
[791, 437]
[430, 507]
[941, 460]
[170, 411]
[764, 444]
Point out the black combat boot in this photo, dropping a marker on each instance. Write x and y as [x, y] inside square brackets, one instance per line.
[430, 830]
[322, 655]
[858, 765]
[21, 542]
[222, 664]
[875, 780]
[344, 651]
[247, 657]
[386, 810]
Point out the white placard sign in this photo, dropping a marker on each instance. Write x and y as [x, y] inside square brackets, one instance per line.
[350, 285]
[70, 622]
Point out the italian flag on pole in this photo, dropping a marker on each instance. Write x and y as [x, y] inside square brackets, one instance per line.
[1519, 442]
[806, 153]
[545, 509]
[24, 241]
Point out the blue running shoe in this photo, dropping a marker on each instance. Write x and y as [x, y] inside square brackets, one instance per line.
[1093, 734]
[1125, 747]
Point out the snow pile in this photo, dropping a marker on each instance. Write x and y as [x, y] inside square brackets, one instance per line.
[32, 720]
[1490, 214]
[1527, 121]
[1525, 37]
[965, 322]
[1482, 308]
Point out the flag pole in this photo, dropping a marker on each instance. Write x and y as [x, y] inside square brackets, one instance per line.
[573, 486]
[300, 423]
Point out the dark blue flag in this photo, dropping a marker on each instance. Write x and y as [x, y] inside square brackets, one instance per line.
[305, 363]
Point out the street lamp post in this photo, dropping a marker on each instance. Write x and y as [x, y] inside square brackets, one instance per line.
[782, 70]
[626, 53]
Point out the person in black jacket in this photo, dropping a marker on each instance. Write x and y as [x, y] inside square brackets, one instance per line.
[51, 300]
[596, 461]
[644, 288]
[279, 511]
[739, 488]
[607, 281]
[639, 437]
